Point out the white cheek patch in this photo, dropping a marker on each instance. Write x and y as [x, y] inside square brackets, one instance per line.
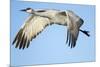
[29, 11]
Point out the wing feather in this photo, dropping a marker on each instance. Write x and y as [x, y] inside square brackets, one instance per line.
[32, 27]
[73, 23]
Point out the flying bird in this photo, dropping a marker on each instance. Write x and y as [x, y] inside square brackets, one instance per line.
[38, 20]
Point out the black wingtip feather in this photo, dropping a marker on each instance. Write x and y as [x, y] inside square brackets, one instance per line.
[71, 40]
[28, 43]
[70, 37]
[16, 37]
[74, 42]
[22, 41]
[67, 37]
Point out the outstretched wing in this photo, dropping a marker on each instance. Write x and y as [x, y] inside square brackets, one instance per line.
[32, 27]
[74, 22]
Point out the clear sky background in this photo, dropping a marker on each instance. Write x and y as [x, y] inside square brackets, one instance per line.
[49, 47]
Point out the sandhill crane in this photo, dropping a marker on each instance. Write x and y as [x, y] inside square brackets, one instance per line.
[40, 19]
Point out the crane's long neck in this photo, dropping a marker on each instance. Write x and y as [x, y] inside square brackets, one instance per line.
[45, 14]
[41, 14]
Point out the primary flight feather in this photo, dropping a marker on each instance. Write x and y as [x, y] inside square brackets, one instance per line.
[40, 19]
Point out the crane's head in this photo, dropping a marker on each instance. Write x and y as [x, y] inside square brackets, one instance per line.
[28, 10]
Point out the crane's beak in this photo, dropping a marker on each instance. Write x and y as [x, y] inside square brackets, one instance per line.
[23, 10]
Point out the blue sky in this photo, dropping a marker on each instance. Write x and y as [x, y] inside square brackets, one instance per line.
[49, 47]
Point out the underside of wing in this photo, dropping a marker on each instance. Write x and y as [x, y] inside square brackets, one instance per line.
[74, 23]
[72, 36]
[32, 27]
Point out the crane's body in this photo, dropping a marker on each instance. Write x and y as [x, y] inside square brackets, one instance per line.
[40, 19]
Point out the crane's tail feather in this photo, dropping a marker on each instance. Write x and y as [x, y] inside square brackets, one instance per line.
[85, 32]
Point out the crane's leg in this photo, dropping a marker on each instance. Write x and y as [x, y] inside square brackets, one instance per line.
[85, 32]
